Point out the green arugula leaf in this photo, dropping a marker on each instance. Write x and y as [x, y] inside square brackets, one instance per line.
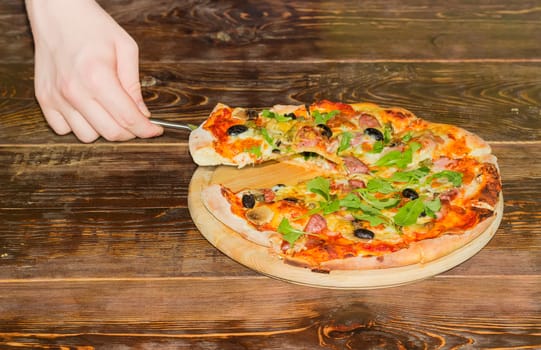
[345, 141]
[323, 118]
[370, 214]
[255, 150]
[387, 134]
[329, 207]
[273, 115]
[380, 185]
[377, 147]
[351, 201]
[412, 176]
[406, 138]
[390, 158]
[397, 158]
[409, 213]
[267, 137]
[378, 203]
[290, 234]
[374, 220]
[321, 186]
[432, 207]
[452, 176]
[307, 155]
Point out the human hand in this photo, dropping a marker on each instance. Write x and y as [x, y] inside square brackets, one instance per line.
[87, 72]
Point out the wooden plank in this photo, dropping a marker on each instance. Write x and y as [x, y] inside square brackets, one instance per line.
[78, 243]
[91, 210]
[470, 95]
[188, 312]
[309, 30]
[130, 175]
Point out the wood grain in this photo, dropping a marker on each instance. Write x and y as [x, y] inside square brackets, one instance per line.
[272, 315]
[308, 30]
[68, 210]
[466, 94]
[96, 246]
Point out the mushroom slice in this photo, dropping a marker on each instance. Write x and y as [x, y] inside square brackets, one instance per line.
[260, 215]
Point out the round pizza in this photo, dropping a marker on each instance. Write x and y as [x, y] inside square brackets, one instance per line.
[389, 189]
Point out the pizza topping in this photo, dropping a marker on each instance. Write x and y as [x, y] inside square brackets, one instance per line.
[355, 165]
[260, 215]
[278, 117]
[248, 200]
[289, 233]
[325, 130]
[252, 114]
[363, 233]
[356, 183]
[323, 118]
[268, 195]
[368, 121]
[237, 129]
[375, 133]
[410, 193]
[316, 224]
[400, 159]
[453, 177]
[290, 115]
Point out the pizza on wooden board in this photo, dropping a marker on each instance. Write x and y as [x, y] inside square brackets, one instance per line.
[390, 189]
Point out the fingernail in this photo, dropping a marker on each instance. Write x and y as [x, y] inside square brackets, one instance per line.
[143, 108]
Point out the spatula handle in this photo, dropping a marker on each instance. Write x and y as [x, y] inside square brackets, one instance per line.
[170, 125]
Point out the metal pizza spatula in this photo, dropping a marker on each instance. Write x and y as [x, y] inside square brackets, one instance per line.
[170, 125]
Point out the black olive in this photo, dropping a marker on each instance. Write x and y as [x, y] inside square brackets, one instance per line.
[252, 114]
[236, 129]
[291, 199]
[278, 143]
[276, 151]
[248, 200]
[325, 130]
[410, 193]
[375, 133]
[277, 187]
[290, 115]
[363, 233]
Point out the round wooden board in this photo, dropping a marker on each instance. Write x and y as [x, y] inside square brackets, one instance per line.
[261, 260]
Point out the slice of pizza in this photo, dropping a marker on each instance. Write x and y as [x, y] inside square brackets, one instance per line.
[337, 137]
[321, 133]
[239, 137]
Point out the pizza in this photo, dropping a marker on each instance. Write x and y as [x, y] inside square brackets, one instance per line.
[389, 189]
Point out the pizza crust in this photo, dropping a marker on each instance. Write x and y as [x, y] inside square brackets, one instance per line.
[201, 148]
[218, 205]
[420, 252]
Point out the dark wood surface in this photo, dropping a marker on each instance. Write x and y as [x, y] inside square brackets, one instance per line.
[97, 247]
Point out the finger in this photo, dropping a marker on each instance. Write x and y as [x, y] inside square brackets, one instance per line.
[56, 121]
[96, 117]
[123, 109]
[128, 72]
[81, 128]
[66, 119]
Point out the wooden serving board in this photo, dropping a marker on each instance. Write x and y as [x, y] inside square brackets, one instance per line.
[259, 259]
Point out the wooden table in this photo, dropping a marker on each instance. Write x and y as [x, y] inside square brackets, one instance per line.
[97, 247]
